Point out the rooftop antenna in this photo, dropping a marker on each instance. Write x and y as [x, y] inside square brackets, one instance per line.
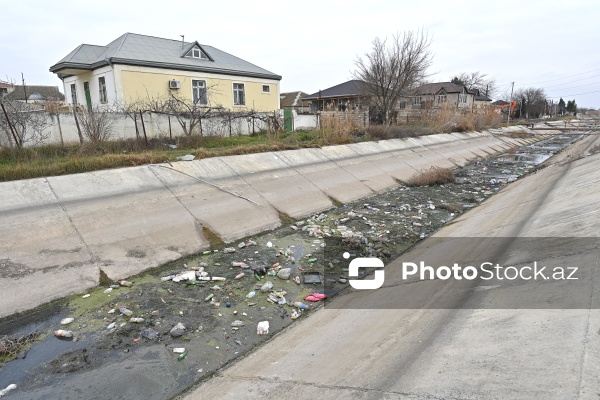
[182, 36]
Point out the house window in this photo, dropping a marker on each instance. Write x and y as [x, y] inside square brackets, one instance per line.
[73, 94]
[199, 92]
[102, 86]
[195, 52]
[266, 89]
[239, 98]
[402, 105]
[462, 98]
[442, 98]
[418, 100]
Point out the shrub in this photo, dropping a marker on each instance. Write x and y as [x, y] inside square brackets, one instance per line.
[432, 176]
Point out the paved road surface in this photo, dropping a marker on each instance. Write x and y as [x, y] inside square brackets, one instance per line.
[470, 353]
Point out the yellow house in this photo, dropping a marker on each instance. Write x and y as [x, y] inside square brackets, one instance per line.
[143, 67]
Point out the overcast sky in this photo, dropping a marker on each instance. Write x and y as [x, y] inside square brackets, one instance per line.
[313, 44]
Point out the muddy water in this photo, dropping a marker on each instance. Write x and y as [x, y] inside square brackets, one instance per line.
[136, 360]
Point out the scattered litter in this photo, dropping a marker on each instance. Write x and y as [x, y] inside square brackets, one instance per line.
[66, 321]
[85, 296]
[179, 350]
[262, 328]
[7, 389]
[61, 333]
[187, 157]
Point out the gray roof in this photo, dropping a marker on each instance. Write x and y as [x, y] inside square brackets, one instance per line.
[141, 50]
[44, 92]
[351, 88]
[434, 88]
[291, 99]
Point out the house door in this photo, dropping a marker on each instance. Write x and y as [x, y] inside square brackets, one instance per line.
[88, 97]
[288, 120]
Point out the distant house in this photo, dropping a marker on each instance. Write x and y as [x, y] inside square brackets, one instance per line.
[6, 88]
[347, 96]
[480, 101]
[35, 93]
[442, 94]
[294, 101]
[134, 67]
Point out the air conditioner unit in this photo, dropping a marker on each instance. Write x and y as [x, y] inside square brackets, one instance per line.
[173, 84]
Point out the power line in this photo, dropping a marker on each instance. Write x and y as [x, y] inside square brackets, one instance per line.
[573, 87]
[576, 94]
[559, 79]
[576, 80]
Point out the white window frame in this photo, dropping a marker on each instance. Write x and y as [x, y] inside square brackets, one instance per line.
[402, 105]
[74, 94]
[418, 100]
[462, 97]
[441, 98]
[197, 92]
[102, 90]
[236, 94]
[196, 52]
[268, 87]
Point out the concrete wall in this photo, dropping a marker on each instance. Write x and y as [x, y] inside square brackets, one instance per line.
[56, 233]
[157, 125]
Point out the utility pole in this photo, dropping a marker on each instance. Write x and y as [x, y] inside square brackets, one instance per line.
[24, 87]
[510, 104]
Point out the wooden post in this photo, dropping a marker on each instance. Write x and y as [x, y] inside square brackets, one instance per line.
[137, 130]
[12, 130]
[144, 129]
[78, 127]
[170, 133]
[62, 142]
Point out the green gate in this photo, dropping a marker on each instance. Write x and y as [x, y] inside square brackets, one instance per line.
[288, 120]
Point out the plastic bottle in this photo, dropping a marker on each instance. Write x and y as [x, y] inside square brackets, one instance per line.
[125, 311]
[300, 305]
[182, 355]
[126, 283]
[63, 333]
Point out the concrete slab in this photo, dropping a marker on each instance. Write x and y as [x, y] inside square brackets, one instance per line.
[366, 171]
[327, 175]
[221, 201]
[128, 219]
[285, 189]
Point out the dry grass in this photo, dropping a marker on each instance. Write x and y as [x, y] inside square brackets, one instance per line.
[11, 346]
[338, 128]
[430, 177]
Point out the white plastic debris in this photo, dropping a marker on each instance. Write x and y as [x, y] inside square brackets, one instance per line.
[262, 328]
[269, 244]
[85, 296]
[7, 389]
[179, 350]
[187, 157]
[66, 321]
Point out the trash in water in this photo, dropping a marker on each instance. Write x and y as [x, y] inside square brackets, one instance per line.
[66, 321]
[312, 277]
[61, 333]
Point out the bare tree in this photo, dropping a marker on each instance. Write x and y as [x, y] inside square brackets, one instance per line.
[532, 102]
[23, 123]
[476, 80]
[96, 124]
[393, 67]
